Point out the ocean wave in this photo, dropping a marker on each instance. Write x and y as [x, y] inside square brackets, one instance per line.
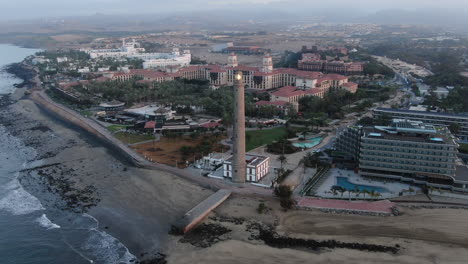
[17, 201]
[46, 223]
[107, 249]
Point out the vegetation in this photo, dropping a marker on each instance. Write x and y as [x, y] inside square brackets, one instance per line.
[311, 160]
[284, 192]
[415, 90]
[282, 174]
[257, 138]
[440, 57]
[463, 148]
[115, 128]
[375, 67]
[207, 144]
[262, 208]
[131, 138]
[282, 146]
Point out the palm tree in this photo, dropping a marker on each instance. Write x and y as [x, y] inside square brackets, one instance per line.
[357, 191]
[282, 159]
[364, 193]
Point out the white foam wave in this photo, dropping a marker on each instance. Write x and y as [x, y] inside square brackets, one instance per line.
[17, 201]
[46, 223]
[107, 249]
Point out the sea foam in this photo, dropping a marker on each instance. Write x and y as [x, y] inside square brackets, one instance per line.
[46, 223]
[107, 249]
[17, 201]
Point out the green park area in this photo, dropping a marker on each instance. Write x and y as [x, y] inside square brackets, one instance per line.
[115, 128]
[257, 138]
[130, 138]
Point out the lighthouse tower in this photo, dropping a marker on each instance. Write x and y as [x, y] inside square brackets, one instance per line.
[232, 60]
[267, 65]
[239, 164]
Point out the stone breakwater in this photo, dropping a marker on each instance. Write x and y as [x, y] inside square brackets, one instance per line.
[395, 211]
[273, 239]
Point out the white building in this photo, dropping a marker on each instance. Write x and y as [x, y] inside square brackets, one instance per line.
[257, 167]
[164, 60]
[151, 111]
[62, 59]
[150, 60]
[39, 60]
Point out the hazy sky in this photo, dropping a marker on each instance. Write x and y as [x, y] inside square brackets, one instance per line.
[20, 9]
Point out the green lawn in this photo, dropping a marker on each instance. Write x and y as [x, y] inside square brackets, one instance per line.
[257, 138]
[130, 138]
[114, 128]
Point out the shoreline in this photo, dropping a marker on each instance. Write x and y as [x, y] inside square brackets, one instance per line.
[142, 235]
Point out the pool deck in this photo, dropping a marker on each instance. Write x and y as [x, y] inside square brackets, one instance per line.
[394, 188]
[384, 207]
[310, 142]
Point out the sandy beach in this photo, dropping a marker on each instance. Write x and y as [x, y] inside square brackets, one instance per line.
[135, 205]
[138, 206]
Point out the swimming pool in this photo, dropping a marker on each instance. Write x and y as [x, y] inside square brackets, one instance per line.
[310, 143]
[345, 183]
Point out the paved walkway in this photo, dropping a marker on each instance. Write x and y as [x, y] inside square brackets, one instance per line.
[358, 206]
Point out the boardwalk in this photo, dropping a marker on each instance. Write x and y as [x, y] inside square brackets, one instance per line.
[199, 212]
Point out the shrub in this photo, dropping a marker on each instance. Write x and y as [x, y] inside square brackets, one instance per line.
[262, 208]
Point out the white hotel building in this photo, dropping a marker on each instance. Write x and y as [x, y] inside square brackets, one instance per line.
[150, 60]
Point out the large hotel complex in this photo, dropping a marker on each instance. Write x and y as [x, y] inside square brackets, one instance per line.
[133, 50]
[408, 151]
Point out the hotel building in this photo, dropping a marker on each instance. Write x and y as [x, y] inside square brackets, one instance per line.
[438, 119]
[407, 151]
[133, 50]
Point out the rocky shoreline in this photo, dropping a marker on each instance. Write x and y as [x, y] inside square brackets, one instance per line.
[22, 72]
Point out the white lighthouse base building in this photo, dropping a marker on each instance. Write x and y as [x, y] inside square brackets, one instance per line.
[257, 167]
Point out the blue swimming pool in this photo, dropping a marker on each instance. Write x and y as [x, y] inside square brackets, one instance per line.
[344, 182]
[310, 143]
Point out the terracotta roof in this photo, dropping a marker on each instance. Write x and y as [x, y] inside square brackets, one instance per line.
[349, 84]
[299, 73]
[102, 79]
[150, 124]
[210, 124]
[277, 103]
[288, 91]
[313, 91]
[335, 77]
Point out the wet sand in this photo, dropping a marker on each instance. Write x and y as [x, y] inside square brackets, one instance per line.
[135, 205]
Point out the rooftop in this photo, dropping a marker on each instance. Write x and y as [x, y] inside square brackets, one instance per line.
[407, 136]
[288, 91]
[421, 112]
[278, 103]
[252, 160]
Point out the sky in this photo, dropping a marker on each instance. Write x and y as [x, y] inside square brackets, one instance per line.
[21, 9]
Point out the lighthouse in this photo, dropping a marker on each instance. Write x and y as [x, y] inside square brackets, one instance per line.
[239, 163]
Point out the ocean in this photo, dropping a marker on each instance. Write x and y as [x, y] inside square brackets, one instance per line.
[29, 232]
